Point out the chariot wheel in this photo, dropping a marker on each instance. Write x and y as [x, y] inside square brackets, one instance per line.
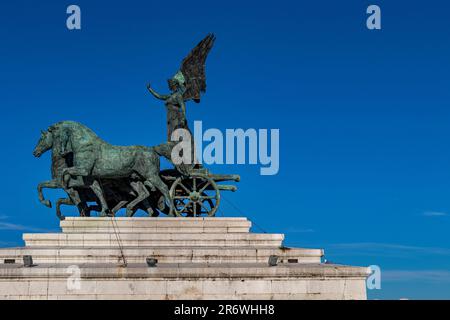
[194, 196]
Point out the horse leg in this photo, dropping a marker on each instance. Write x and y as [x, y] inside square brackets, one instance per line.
[80, 203]
[79, 173]
[50, 184]
[83, 209]
[95, 207]
[149, 168]
[74, 199]
[162, 187]
[142, 193]
[61, 201]
[148, 208]
[99, 193]
[89, 209]
[118, 207]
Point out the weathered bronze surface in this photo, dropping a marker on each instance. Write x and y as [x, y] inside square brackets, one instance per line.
[90, 170]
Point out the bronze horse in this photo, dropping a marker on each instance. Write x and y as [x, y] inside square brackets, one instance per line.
[87, 167]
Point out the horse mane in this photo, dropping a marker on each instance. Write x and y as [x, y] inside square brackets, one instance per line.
[74, 126]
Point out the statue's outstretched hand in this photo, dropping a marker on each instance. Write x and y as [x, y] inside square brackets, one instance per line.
[155, 94]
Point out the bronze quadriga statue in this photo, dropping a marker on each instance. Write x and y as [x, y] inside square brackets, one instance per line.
[91, 170]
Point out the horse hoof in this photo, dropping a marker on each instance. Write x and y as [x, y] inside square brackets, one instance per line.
[153, 213]
[129, 213]
[47, 203]
[107, 213]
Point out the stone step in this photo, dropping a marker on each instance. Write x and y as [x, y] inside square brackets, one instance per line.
[79, 255]
[189, 229]
[154, 223]
[189, 270]
[152, 239]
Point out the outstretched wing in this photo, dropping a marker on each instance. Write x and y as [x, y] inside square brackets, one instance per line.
[193, 69]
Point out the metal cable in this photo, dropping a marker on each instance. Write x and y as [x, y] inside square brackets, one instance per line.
[241, 212]
[119, 241]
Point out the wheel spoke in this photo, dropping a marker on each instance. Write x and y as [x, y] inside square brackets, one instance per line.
[208, 197]
[185, 206]
[194, 184]
[185, 189]
[204, 207]
[180, 202]
[195, 208]
[204, 187]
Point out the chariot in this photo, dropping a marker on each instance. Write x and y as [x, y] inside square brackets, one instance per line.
[197, 194]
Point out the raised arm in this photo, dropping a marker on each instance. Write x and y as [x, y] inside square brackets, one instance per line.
[156, 94]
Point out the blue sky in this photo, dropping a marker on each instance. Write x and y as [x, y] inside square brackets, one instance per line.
[363, 115]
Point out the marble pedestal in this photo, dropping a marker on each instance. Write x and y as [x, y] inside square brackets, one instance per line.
[198, 258]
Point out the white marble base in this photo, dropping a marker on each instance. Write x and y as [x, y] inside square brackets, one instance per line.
[198, 258]
[188, 281]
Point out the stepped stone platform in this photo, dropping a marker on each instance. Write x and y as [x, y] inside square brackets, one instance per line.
[198, 258]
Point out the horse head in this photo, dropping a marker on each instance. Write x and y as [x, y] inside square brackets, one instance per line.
[45, 143]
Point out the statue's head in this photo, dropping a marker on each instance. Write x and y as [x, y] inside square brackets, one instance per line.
[45, 143]
[177, 82]
[173, 85]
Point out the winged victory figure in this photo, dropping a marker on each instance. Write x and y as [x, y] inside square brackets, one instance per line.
[187, 84]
